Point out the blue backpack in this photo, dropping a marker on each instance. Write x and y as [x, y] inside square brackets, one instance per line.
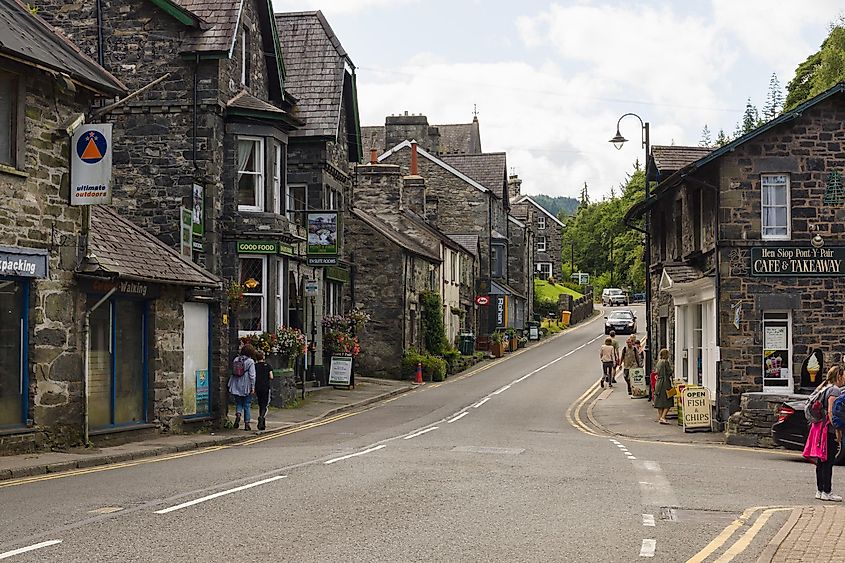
[838, 412]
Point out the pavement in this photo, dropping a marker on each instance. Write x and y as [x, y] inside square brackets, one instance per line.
[811, 534]
[319, 403]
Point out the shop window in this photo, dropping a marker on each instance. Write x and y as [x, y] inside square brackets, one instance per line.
[499, 257]
[281, 301]
[775, 206]
[196, 386]
[246, 57]
[253, 278]
[333, 302]
[13, 396]
[250, 174]
[541, 223]
[8, 118]
[777, 351]
[278, 177]
[697, 341]
[117, 357]
[541, 244]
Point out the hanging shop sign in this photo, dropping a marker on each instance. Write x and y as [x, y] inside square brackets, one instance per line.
[123, 288]
[323, 245]
[23, 262]
[798, 261]
[198, 215]
[312, 288]
[187, 233]
[482, 300]
[257, 247]
[337, 274]
[286, 249]
[639, 386]
[340, 372]
[696, 408]
[90, 164]
[501, 302]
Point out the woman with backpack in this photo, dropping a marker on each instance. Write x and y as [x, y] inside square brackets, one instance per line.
[826, 395]
[242, 383]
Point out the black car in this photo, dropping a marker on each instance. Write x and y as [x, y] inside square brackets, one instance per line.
[622, 321]
[791, 429]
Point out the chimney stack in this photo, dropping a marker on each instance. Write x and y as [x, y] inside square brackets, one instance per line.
[373, 156]
[414, 168]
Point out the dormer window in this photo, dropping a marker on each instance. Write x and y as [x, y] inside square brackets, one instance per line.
[245, 57]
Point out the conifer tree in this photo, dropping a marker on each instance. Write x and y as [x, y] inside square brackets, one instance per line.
[585, 197]
[722, 139]
[705, 141]
[774, 99]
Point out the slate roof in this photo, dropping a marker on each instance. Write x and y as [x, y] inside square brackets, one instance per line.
[469, 242]
[528, 199]
[672, 158]
[680, 273]
[401, 239]
[315, 63]
[221, 17]
[488, 169]
[27, 37]
[434, 231]
[462, 138]
[246, 101]
[125, 249]
[446, 166]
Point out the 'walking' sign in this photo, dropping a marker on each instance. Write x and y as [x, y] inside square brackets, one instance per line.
[90, 164]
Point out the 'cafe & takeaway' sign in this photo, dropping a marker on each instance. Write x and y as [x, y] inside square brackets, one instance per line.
[798, 261]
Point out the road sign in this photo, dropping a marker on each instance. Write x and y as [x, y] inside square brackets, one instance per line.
[482, 300]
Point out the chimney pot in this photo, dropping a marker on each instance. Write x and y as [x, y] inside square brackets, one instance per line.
[373, 156]
[414, 168]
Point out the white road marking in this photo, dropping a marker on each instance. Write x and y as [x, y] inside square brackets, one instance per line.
[28, 548]
[524, 377]
[420, 433]
[594, 339]
[481, 402]
[655, 489]
[501, 390]
[220, 494]
[329, 462]
[622, 446]
[460, 416]
[631, 457]
[580, 347]
[648, 519]
[648, 548]
[569, 353]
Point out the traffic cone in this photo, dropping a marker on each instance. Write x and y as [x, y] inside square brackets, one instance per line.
[419, 379]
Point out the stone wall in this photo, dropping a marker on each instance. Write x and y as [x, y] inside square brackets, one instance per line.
[752, 424]
[166, 359]
[398, 128]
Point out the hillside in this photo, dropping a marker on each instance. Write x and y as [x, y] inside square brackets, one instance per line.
[554, 205]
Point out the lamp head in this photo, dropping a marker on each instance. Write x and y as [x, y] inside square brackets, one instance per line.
[618, 140]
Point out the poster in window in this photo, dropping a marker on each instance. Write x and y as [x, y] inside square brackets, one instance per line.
[323, 233]
[202, 391]
[774, 338]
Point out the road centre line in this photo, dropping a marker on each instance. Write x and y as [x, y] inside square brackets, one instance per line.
[648, 520]
[220, 494]
[28, 548]
[501, 389]
[329, 462]
[648, 548]
[460, 416]
[420, 433]
[481, 402]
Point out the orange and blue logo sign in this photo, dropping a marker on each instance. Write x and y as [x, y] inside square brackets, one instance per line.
[91, 147]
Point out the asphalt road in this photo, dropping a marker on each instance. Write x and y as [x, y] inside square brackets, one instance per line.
[484, 467]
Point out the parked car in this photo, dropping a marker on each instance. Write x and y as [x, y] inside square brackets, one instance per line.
[613, 296]
[622, 321]
[638, 297]
[791, 429]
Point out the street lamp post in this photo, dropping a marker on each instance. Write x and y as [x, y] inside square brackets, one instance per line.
[618, 140]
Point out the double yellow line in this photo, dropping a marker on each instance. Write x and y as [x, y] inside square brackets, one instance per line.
[573, 413]
[742, 543]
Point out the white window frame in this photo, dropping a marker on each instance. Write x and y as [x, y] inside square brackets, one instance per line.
[541, 244]
[259, 189]
[277, 178]
[541, 223]
[244, 49]
[263, 293]
[763, 208]
[541, 269]
[331, 202]
[281, 287]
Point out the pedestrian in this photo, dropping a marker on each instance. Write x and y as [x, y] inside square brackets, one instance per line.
[242, 383]
[631, 358]
[830, 389]
[615, 345]
[263, 376]
[608, 362]
[662, 401]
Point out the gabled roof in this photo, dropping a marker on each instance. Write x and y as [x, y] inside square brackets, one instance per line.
[488, 169]
[28, 38]
[432, 230]
[515, 221]
[245, 104]
[400, 239]
[637, 210]
[424, 153]
[669, 158]
[460, 138]
[316, 66]
[126, 250]
[469, 242]
[527, 199]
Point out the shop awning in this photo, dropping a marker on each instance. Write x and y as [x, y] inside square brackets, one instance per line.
[500, 288]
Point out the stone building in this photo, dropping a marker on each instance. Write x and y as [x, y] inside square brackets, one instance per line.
[209, 133]
[458, 138]
[321, 76]
[546, 229]
[747, 253]
[82, 288]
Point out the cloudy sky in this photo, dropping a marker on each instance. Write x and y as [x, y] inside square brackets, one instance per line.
[550, 79]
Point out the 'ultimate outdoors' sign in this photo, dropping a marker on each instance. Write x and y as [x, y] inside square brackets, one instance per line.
[798, 261]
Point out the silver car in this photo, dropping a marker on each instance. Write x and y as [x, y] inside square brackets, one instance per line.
[613, 296]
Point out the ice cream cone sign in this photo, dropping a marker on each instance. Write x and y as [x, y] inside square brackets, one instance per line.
[813, 366]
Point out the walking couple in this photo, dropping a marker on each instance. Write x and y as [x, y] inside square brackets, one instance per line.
[250, 374]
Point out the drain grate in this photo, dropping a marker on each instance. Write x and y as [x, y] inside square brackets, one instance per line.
[669, 514]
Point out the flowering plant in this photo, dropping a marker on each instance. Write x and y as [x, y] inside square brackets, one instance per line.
[264, 341]
[235, 294]
[290, 342]
[340, 342]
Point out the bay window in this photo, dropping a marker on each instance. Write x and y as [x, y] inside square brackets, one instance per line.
[251, 174]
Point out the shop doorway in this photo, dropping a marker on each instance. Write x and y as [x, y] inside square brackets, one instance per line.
[13, 382]
[195, 383]
[117, 357]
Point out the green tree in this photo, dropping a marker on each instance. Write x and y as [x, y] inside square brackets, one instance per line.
[705, 140]
[722, 139]
[820, 71]
[750, 120]
[774, 99]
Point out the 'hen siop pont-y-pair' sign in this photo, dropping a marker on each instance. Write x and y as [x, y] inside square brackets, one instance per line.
[798, 261]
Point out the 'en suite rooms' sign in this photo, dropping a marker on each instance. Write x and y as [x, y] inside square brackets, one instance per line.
[798, 261]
